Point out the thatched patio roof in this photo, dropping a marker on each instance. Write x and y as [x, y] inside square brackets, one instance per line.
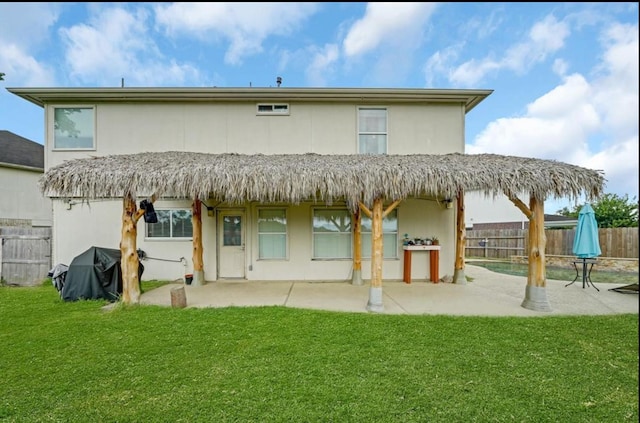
[293, 178]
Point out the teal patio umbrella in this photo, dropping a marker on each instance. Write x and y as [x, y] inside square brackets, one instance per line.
[586, 244]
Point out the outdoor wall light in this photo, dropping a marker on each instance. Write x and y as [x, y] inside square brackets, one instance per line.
[70, 203]
[209, 209]
[448, 202]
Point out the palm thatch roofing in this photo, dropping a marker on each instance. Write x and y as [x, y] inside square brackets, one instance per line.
[293, 178]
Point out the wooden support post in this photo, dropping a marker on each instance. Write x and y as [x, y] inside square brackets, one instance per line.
[129, 262]
[461, 239]
[198, 263]
[178, 297]
[356, 277]
[375, 291]
[536, 293]
[128, 252]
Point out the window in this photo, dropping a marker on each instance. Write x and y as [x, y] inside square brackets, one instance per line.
[171, 224]
[73, 128]
[273, 109]
[272, 234]
[372, 130]
[331, 234]
[389, 235]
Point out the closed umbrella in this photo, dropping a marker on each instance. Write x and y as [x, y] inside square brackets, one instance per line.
[586, 244]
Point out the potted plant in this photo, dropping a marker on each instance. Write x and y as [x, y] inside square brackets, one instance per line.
[435, 240]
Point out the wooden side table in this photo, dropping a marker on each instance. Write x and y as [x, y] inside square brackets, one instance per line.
[434, 261]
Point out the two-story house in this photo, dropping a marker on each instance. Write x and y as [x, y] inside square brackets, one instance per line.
[297, 183]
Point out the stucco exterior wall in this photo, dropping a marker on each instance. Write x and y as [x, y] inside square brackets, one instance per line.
[98, 224]
[21, 200]
[235, 128]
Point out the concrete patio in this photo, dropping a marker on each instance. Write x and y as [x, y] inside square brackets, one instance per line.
[488, 294]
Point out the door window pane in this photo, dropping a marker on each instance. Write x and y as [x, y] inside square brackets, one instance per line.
[232, 231]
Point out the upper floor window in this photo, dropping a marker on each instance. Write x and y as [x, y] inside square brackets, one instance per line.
[273, 109]
[272, 234]
[389, 235]
[372, 130]
[331, 234]
[74, 128]
[174, 223]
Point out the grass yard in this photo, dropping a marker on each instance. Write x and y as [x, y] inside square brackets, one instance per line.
[76, 362]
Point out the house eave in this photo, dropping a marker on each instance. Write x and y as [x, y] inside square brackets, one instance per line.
[21, 167]
[41, 96]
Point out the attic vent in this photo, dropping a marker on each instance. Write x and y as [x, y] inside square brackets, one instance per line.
[273, 109]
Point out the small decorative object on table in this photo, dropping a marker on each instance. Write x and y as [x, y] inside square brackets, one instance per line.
[435, 240]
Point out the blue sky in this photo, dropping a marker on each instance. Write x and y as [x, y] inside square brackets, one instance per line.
[564, 75]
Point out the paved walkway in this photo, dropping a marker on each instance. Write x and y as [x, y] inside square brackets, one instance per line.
[489, 294]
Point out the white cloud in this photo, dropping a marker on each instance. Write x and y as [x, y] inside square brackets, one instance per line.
[24, 28]
[545, 37]
[396, 24]
[322, 64]
[116, 44]
[593, 124]
[556, 126]
[620, 165]
[616, 89]
[439, 63]
[385, 41]
[245, 25]
[27, 24]
[22, 69]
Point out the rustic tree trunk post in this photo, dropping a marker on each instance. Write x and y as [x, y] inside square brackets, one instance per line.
[461, 236]
[196, 220]
[375, 291]
[129, 256]
[356, 277]
[536, 292]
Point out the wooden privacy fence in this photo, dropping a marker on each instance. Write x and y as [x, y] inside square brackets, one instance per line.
[504, 243]
[25, 255]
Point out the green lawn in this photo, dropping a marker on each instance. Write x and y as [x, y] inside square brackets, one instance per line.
[76, 362]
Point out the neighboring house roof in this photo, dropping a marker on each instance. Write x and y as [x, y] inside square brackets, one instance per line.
[558, 218]
[299, 177]
[16, 150]
[41, 96]
[559, 221]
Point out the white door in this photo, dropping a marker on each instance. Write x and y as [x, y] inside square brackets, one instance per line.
[231, 236]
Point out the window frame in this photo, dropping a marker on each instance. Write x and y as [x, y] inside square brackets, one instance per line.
[277, 109]
[361, 132]
[171, 237]
[342, 234]
[94, 117]
[286, 233]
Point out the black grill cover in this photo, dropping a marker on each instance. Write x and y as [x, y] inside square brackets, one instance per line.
[95, 274]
